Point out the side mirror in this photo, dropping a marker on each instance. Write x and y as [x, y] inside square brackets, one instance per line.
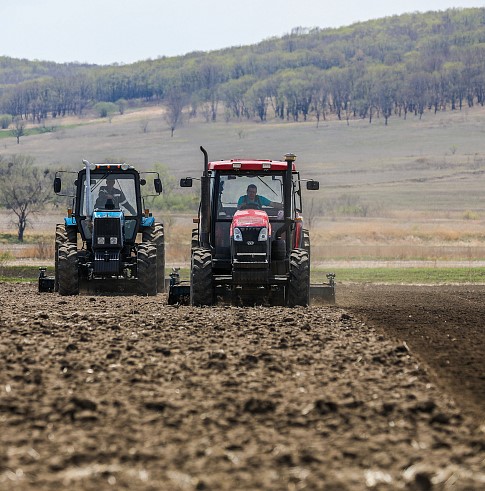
[158, 185]
[186, 183]
[57, 185]
[142, 182]
[312, 185]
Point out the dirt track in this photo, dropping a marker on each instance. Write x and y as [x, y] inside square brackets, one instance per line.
[128, 393]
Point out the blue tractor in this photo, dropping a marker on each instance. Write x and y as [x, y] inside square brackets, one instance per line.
[109, 242]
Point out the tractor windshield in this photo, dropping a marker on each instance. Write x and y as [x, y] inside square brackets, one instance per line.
[111, 191]
[239, 191]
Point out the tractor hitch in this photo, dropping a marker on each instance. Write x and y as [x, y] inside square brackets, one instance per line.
[46, 283]
[179, 291]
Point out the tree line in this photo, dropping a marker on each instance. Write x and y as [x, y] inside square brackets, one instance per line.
[392, 66]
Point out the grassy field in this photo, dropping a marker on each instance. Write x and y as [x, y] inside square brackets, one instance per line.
[343, 275]
[412, 190]
[431, 165]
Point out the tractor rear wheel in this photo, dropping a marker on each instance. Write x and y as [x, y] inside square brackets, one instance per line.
[63, 236]
[195, 240]
[146, 263]
[306, 241]
[299, 281]
[155, 235]
[67, 269]
[201, 281]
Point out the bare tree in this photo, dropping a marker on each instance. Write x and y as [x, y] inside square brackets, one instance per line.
[19, 129]
[175, 100]
[24, 189]
[313, 210]
[144, 125]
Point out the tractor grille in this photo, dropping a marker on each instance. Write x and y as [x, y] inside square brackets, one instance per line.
[107, 262]
[250, 253]
[250, 277]
[109, 229]
[107, 226]
[251, 249]
[250, 234]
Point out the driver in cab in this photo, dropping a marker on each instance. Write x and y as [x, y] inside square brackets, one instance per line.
[252, 200]
[111, 197]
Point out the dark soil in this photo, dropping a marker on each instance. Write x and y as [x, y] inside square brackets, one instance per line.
[444, 326]
[383, 391]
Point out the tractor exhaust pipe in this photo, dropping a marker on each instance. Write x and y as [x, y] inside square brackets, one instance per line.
[88, 195]
[205, 207]
[289, 159]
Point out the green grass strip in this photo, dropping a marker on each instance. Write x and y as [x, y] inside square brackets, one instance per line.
[404, 275]
[358, 275]
[21, 273]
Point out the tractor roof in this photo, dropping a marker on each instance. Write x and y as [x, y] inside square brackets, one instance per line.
[249, 164]
[117, 168]
[111, 167]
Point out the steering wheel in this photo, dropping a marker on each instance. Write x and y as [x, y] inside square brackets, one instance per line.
[250, 206]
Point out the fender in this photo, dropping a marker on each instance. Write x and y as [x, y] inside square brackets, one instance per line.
[70, 221]
[147, 221]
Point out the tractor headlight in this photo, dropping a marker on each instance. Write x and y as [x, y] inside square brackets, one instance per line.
[263, 234]
[101, 241]
[238, 235]
[113, 240]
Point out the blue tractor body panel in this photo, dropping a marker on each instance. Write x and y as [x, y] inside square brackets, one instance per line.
[147, 221]
[70, 222]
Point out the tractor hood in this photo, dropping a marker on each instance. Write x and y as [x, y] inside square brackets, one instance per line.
[250, 218]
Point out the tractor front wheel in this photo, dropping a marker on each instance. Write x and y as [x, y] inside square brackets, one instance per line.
[299, 280]
[201, 281]
[306, 241]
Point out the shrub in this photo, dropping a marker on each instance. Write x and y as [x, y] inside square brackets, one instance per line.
[44, 249]
[470, 215]
[105, 109]
[347, 205]
[5, 121]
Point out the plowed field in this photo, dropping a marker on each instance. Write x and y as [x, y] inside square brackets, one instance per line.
[385, 390]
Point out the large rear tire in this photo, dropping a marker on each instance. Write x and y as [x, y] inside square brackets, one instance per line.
[146, 263]
[195, 240]
[201, 281]
[67, 269]
[155, 235]
[306, 242]
[63, 236]
[299, 280]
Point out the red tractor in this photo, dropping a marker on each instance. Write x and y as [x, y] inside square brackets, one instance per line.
[250, 246]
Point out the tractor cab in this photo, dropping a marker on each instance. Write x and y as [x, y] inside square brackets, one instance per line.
[247, 214]
[115, 194]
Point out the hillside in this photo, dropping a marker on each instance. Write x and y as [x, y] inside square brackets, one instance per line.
[431, 164]
[388, 67]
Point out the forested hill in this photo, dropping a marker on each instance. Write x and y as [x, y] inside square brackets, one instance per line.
[390, 66]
